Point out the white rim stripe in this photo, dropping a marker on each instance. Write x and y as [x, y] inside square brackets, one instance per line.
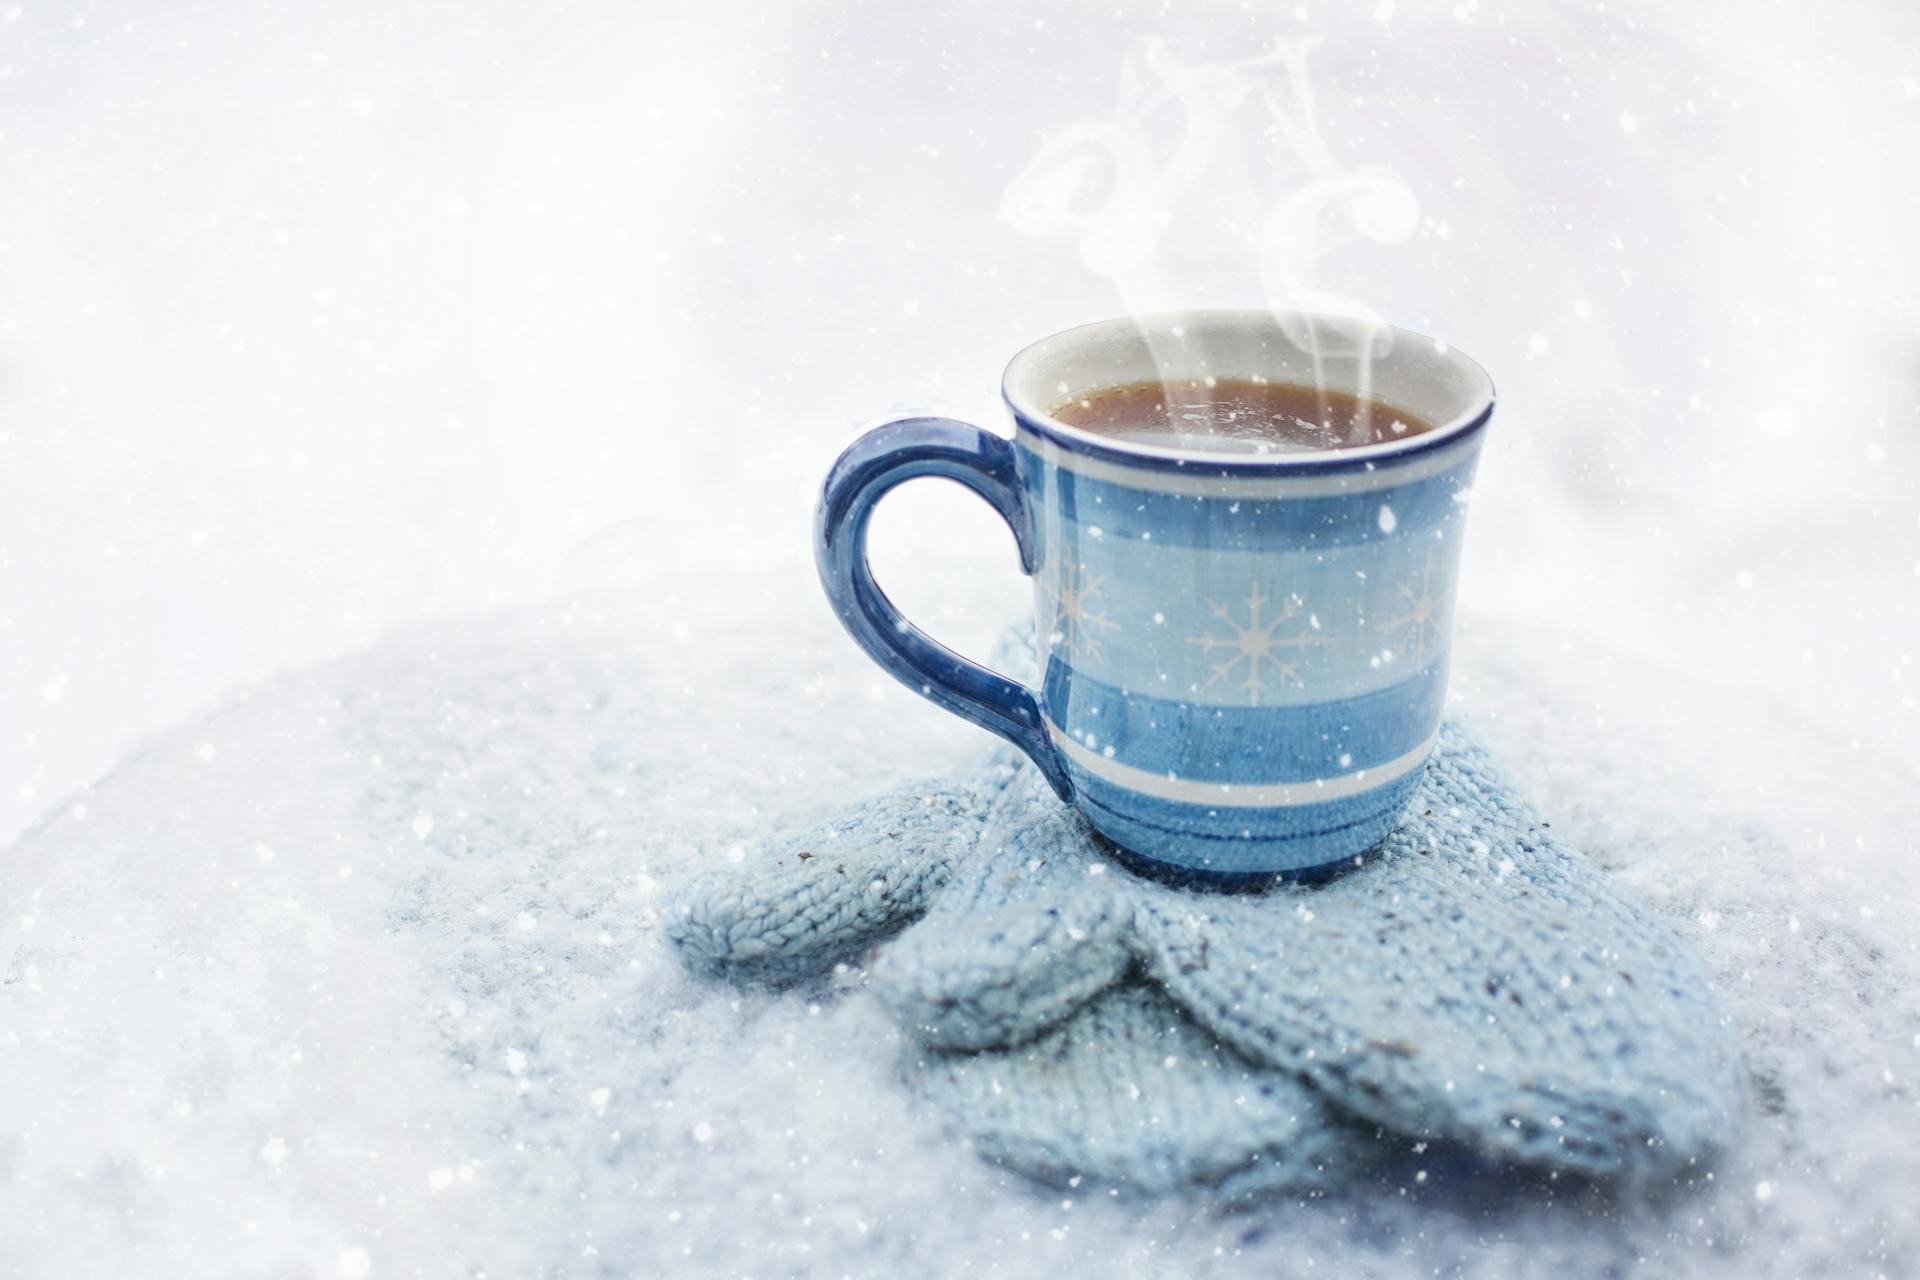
[1239, 795]
[1385, 475]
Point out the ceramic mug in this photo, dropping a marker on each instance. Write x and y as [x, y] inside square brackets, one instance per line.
[1244, 655]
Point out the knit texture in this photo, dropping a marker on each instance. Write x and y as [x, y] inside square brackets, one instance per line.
[1132, 1093]
[814, 899]
[1471, 982]
[1475, 981]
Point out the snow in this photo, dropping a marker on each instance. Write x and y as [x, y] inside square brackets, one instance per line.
[227, 1066]
[319, 323]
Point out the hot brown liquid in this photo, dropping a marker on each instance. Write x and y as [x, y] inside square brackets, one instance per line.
[1239, 415]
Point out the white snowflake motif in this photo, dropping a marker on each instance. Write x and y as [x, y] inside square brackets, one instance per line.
[1075, 623]
[1255, 643]
[1420, 624]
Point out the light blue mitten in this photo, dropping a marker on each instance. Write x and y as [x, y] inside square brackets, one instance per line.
[1123, 1088]
[1470, 982]
[830, 892]
[1131, 1092]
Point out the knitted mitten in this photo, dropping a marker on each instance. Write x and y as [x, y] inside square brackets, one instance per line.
[1130, 1092]
[1470, 981]
[831, 891]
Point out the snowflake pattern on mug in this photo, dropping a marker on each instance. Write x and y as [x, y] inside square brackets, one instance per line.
[1254, 647]
[1419, 624]
[1076, 623]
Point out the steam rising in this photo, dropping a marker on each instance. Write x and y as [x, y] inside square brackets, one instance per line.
[1211, 152]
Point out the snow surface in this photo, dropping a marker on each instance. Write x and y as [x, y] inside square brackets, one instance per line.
[361, 975]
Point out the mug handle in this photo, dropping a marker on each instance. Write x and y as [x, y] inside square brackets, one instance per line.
[876, 462]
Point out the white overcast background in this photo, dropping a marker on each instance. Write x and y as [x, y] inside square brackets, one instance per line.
[319, 318]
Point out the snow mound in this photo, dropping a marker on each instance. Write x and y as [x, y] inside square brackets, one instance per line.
[362, 976]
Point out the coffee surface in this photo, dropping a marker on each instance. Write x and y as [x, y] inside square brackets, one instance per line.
[1239, 415]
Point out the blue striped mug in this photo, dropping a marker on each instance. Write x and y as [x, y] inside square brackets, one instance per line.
[1244, 655]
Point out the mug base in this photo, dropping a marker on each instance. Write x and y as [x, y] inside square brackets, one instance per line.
[1181, 876]
[1224, 849]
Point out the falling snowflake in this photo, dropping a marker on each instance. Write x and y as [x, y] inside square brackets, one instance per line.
[1075, 624]
[1256, 644]
[1420, 624]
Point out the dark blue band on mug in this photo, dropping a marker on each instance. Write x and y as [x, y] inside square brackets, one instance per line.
[1245, 745]
[1182, 840]
[1121, 510]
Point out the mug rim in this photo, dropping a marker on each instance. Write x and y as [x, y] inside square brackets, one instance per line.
[1117, 449]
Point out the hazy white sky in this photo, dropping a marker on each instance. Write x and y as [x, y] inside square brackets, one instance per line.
[314, 319]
